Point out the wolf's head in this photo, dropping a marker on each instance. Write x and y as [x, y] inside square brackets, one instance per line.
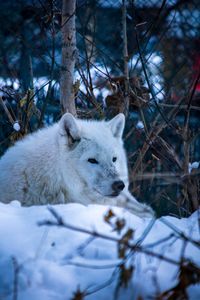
[95, 150]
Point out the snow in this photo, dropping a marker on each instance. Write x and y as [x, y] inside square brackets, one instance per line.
[96, 73]
[154, 63]
[139, 125]
[16, 126]
[52, 262]
[194, 165]
[8, 82]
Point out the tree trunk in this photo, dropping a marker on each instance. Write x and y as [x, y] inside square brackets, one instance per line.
[125, 54]
[68, 56]
[26, 71]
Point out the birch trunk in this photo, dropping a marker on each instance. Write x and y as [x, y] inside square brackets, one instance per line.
[68, 56]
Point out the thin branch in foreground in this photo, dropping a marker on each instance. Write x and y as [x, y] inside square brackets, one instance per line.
[180, 233]
[132, 246]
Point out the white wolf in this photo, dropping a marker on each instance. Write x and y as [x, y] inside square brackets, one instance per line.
[72, 161]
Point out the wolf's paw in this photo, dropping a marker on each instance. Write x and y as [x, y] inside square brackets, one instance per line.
[137, 208]
[141, 210]
[148, 212]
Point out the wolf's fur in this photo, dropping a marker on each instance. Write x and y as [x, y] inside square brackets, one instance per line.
[51, 165]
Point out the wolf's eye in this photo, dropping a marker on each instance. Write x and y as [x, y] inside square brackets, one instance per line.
[92, 161]
[114, 159]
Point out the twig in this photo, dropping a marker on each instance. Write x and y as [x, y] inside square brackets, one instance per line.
[180, 106]
[15, 281]
[151, 245]
[180, 233]
[6, 111]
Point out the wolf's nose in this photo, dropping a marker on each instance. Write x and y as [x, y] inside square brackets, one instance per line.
[118, 186]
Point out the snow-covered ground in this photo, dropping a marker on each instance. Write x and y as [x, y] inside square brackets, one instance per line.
[50, 262]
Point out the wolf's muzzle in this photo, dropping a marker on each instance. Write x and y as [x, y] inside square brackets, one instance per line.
[118, 186]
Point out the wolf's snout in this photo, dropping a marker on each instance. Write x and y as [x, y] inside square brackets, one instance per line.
[118, 186]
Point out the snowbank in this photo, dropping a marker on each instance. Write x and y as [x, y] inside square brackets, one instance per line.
[53, 262]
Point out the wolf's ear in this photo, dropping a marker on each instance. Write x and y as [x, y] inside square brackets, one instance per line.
[69, 128]
[117, 125]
